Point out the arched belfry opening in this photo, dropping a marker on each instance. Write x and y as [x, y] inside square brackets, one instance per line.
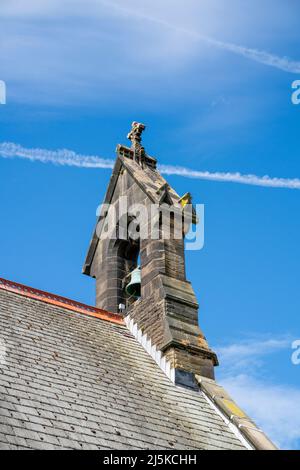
[166, 309]
[117, 259]
[130, 275]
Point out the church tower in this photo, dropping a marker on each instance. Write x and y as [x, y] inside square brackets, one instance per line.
[140, 232]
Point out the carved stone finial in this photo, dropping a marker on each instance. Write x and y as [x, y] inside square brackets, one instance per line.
[135, 136]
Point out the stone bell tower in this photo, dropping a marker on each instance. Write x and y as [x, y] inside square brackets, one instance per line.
[167, 309]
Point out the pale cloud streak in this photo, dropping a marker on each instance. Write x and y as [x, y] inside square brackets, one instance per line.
[244, 374]
[283, 63]
[249, 353]
[66, 157]
[253, 180]
[61, 157]
[274, 407]
[99, 52]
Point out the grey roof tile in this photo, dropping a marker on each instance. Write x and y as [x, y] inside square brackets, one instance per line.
[75, 382]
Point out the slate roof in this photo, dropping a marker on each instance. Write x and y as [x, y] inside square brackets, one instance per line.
[81, 381]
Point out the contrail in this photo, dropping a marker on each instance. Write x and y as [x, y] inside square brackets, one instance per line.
[70, 158]
[57, 157]
[253, 180]
[283, 63]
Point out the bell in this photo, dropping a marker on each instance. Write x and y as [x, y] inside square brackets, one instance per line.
[133, 289]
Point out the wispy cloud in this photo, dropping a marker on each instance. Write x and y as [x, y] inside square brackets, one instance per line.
[274, 407]
[253, 180]
[244, 374]
[283, 63]
[249, 353]
[266, 58]
[74, 52]
[66, 157]
[61, 157]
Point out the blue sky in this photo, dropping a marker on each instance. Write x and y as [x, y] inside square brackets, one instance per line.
[212, 80]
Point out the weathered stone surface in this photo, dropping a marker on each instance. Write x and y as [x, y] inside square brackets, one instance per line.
[227, 405]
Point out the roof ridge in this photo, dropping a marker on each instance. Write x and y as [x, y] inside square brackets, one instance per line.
[59, 301]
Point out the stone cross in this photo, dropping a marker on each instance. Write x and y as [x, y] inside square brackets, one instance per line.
[135, 136]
